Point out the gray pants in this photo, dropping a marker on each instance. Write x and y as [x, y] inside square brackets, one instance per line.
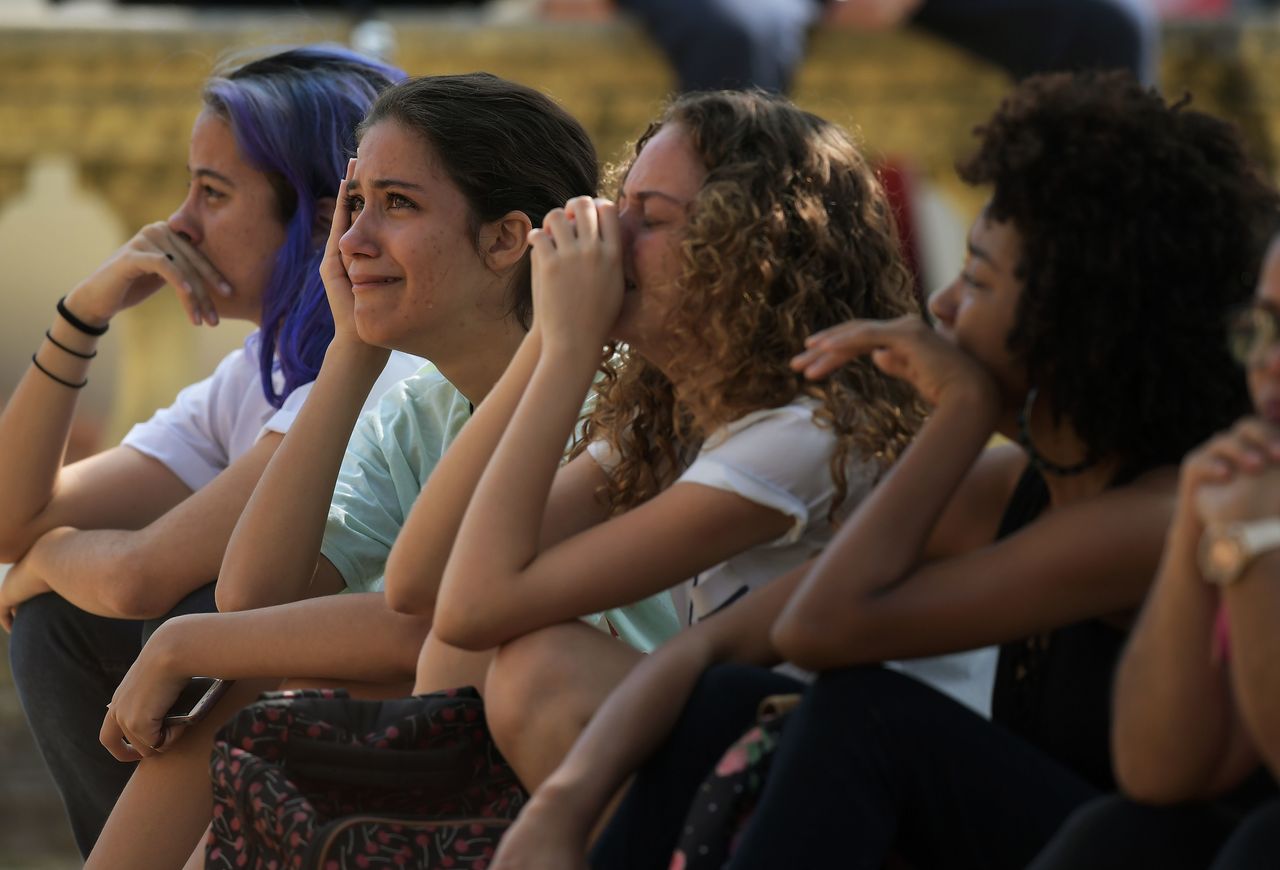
[66, 666]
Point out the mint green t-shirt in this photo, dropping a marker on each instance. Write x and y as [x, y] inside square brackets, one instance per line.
[392, 452]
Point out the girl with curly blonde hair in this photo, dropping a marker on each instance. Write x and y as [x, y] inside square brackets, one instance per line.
[708, 465]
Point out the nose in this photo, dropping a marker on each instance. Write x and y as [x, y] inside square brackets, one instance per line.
[185, 221]
[942, 304]
[358, 240]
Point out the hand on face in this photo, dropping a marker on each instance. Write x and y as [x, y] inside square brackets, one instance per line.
[133, 727]
[337, 284]
[1235, 476]
[905, 348]
[155, 256]
[577, 274]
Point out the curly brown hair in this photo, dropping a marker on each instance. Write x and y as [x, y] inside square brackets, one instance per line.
[790, 233]
[1142, 225]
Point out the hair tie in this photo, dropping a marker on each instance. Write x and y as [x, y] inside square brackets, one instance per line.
[77, 322]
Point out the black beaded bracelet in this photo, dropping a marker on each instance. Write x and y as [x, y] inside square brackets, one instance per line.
[77, 322]
[72, 384]
[62, 347]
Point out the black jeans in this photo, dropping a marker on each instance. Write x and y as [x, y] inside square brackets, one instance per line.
[66, 665]
[760, 43]
[1112, 832]
[871, 763]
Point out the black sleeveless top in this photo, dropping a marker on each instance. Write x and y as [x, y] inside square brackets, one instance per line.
[1054, 689]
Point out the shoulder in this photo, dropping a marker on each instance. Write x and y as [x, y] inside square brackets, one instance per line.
[422, 403]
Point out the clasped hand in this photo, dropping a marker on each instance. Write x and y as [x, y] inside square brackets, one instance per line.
[1235, 476]
[577, 274]
[133, 727]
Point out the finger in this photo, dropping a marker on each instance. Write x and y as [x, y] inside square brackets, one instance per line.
[583, 211]
[201, 299]
[556, 225]
[6, 618]
[824, 364]
[112, 737]
[1239, 453]
[144, 740]
[159, 264]
[341, 222]
[203, 269]
[540, 242]
[610, 226]
[1259, 435]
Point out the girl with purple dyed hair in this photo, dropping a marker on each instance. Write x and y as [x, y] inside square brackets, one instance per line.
[124, 536]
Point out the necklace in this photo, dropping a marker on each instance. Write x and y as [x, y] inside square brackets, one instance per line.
[1037, 459]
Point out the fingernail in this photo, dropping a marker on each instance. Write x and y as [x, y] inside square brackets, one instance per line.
[212, 317]
[186, 285]
[224, 288]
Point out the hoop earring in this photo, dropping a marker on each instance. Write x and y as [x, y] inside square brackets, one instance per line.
[1037, 459]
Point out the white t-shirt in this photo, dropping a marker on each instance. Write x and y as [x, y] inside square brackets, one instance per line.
[212, 422]
[781, 458]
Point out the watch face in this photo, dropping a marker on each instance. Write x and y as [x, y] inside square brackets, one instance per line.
[1223, 558]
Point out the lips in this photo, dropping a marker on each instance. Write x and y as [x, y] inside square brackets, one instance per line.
[364, 283]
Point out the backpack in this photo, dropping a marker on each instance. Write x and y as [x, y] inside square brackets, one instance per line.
[314, 779]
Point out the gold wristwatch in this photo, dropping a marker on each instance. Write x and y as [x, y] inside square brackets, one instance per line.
[1226, 549]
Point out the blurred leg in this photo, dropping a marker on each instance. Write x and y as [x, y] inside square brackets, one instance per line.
[729, 43]
[647, 824]
[1030, 36]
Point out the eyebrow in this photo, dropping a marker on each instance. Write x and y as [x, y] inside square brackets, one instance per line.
[979, 253]
[209, 173]
[643, 195]
[384, 183]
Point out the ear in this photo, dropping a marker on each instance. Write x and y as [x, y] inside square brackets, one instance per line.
[503, 242]
[323, 219]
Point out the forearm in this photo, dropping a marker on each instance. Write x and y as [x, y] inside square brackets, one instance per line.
[885, 537]
[1252, 604]
[34, 427]
[124, 574]
[342, 637]
[1172, 708]
[499, 534]
[272, 552]
[416, 563]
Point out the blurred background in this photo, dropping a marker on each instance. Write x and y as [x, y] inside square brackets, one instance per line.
[97, 99]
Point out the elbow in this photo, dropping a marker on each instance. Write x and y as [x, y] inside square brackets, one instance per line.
[406, 590]
[812, 642]
[466, 626]
[131, 593]
[402, 599]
